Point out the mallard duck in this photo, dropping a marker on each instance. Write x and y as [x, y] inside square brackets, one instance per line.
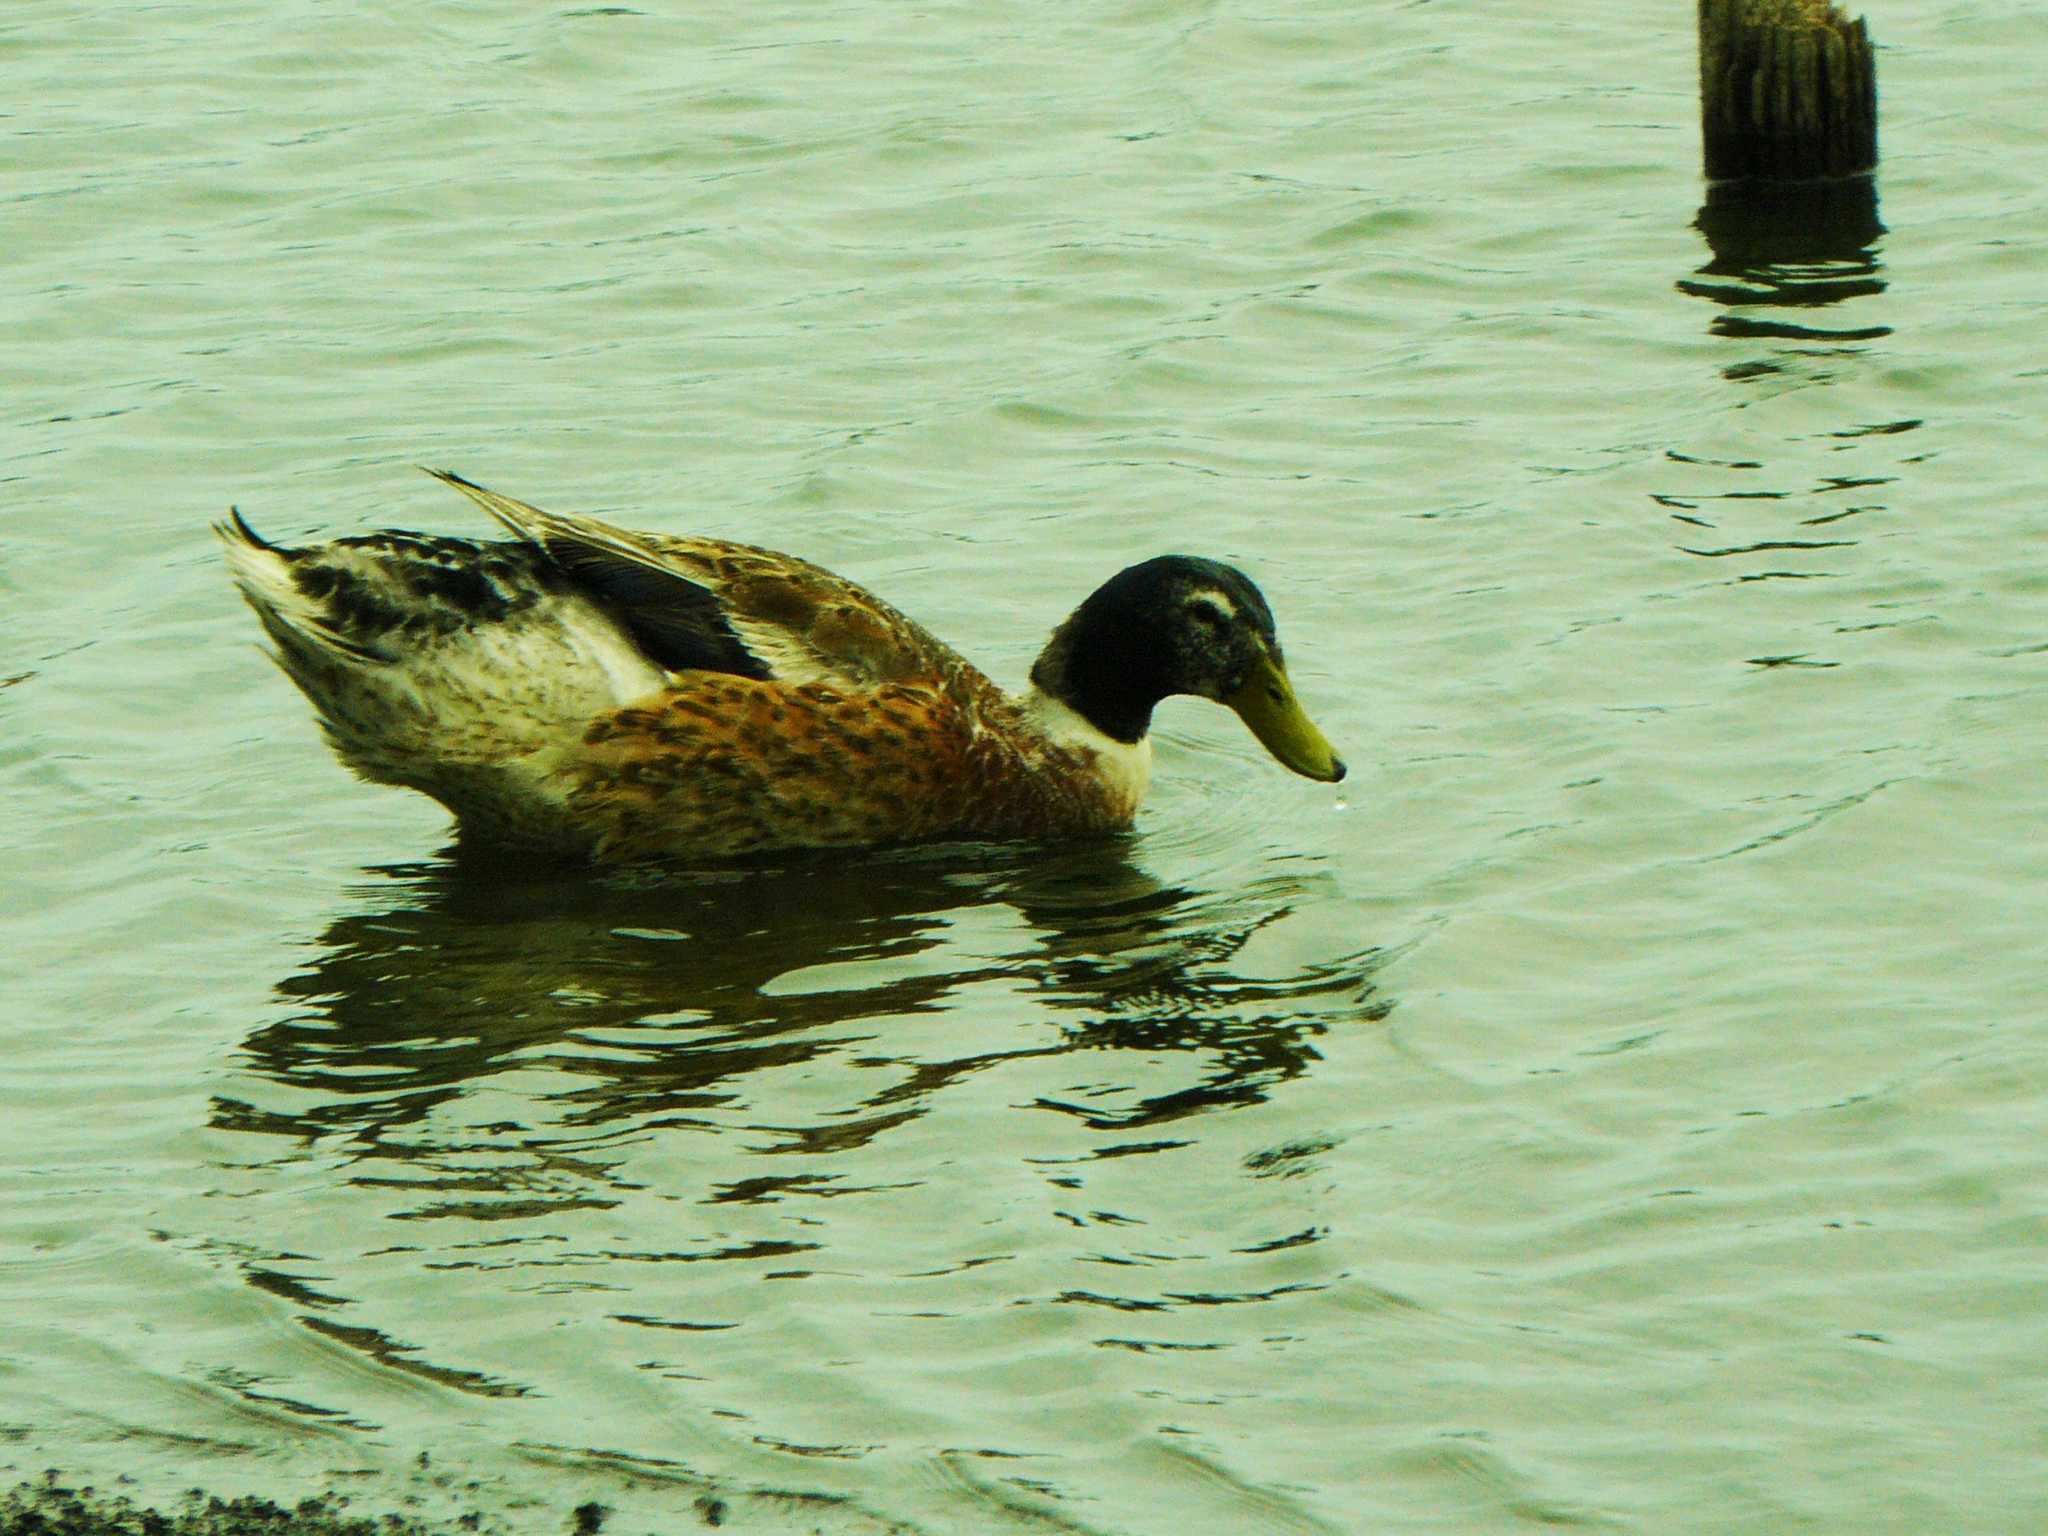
[591, 691]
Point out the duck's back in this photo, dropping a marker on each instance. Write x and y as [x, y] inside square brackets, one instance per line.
[698, 604]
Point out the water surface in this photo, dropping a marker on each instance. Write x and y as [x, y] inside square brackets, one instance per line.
[1616, 1105]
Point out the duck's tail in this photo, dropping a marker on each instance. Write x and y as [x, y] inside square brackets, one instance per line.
[441, 664]
[300, 616]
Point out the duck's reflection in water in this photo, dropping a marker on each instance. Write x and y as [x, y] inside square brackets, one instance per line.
[676, 999]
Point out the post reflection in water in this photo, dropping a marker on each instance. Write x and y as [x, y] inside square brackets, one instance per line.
[571, 1013]
[1780, 249]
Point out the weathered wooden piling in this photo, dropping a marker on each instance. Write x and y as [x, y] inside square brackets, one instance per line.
[1788, 91]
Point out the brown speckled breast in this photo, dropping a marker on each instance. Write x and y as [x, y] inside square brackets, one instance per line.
[725, 765]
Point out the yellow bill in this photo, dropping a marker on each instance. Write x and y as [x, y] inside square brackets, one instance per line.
[1265, 702]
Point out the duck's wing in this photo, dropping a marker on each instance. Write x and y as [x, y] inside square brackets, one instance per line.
[679, 623]
[711, 605]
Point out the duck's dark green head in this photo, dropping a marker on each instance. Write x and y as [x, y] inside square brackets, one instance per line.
[1180, 624]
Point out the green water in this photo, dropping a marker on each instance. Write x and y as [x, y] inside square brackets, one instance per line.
[1619, 1104]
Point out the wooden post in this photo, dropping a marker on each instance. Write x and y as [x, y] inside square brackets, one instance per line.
[1788, 91]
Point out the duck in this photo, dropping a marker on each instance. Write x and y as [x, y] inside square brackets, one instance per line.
[591, 692]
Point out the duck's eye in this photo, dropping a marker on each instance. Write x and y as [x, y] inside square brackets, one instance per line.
[1208, 615]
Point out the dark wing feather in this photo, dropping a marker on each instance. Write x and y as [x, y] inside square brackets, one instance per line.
[679, 624]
